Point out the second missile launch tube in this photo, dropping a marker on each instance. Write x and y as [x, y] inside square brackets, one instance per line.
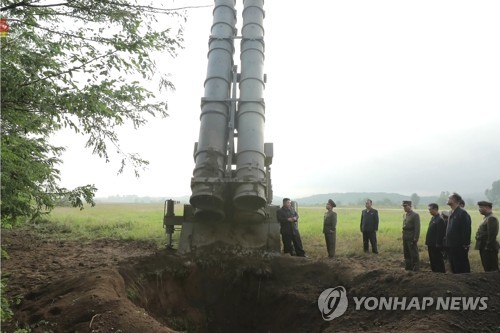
[251, 111]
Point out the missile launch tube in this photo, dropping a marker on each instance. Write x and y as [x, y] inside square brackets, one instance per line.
[251, 193]
[208, 196]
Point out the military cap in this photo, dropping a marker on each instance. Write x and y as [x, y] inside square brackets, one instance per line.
[445, 213]
[406, 203]
[485, 204]
[331, 203]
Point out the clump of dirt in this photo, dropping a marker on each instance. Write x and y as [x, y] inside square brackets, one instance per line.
[124, 286]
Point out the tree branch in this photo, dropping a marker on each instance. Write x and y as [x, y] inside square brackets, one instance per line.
[156, 8]
[25, 3]
[69, 70]
[63, 33]
[14, 5]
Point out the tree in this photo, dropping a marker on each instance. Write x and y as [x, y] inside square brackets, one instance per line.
[415, 200]
[387, 202]
[75, 64]
[443, 198]
[493, 194]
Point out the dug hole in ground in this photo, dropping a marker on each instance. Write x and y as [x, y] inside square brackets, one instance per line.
[127, 286]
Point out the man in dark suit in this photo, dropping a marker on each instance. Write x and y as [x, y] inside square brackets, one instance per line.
[369, 226]
[288, 218]
[434, 239]
[458, 232]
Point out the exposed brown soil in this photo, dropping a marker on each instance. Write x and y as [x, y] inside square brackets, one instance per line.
[126, 286]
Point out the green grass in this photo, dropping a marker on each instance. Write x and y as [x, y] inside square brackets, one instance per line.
[116, 221]
[145, 222]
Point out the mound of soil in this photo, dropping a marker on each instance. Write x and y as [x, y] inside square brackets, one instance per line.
[126, 286]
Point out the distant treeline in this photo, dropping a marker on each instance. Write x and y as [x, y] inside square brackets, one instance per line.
[138, 199]
[354, 199]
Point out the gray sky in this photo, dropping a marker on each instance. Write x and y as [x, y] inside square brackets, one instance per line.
[368, 96]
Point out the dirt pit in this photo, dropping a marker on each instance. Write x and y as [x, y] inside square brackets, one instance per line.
[119, 286]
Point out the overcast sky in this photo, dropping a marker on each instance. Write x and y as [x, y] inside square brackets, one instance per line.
[361, 96]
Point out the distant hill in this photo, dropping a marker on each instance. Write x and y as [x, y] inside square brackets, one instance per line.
[354, 199]
[379, 199]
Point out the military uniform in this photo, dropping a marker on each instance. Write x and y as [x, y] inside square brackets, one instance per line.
[486, 243]
[411, 233]
[330, 231]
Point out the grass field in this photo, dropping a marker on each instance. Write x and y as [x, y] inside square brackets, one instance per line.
[145, 222]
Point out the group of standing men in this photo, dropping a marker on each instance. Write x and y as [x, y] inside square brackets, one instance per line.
[448, 235]
[290, 236]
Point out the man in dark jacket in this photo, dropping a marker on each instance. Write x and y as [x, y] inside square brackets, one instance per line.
[288, 218]
[411, 234]
[486, 237]
[369, 226]
[434, 239]
[458, 232]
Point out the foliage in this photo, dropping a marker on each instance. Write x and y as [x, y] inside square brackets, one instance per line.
[493, 194]
[78, 65]
[5, 311]
[443, 198]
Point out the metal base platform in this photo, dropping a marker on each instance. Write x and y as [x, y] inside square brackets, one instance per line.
[264, 236]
